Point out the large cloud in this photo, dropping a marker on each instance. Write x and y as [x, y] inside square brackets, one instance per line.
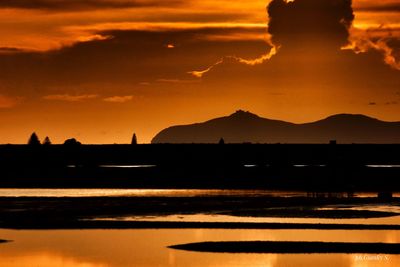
[306, 22]
[311, 66]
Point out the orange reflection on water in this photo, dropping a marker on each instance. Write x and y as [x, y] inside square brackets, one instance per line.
[244, 219]
[45, 260]
[147, 248]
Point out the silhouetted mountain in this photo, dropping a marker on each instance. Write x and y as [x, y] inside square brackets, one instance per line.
[244, 126]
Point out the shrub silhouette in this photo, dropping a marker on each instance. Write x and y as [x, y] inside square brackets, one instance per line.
[47, 141]
[72, 142]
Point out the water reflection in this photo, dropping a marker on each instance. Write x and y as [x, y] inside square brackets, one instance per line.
[146, 248]
[84, 192]
[127, 166]
[41, 192]
[244, 219]
[383, 166]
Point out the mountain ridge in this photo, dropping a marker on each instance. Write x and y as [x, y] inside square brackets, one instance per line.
[243, 126]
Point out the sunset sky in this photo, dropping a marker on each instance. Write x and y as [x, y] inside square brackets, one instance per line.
[99, 70]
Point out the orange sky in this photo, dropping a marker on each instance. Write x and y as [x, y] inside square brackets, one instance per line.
[99, 70]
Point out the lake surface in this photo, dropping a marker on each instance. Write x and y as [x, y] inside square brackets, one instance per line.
[149, 247]
[117, 248]
[83, 192]
[392, 220]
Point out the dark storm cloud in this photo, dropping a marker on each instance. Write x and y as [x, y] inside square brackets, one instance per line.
[307, 21]
[83, 4]
[311, 33]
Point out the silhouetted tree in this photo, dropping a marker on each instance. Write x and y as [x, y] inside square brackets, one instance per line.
[221, 141]
[72, 142]
[46, 141]
[134, 139]
[34, 140]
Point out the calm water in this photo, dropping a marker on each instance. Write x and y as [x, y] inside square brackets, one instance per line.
[228, 218]
[38, 192]
[148, 248]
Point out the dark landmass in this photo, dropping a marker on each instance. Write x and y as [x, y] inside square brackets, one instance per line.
[308, 167]
[108, 212]
[290, 247]
[244, 126]
[4, 241]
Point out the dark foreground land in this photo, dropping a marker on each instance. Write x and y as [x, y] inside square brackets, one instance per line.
[325, 167]
[290, 247]
[108, 212]
[338, 170]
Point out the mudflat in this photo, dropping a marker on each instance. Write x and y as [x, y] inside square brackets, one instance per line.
[108, 212]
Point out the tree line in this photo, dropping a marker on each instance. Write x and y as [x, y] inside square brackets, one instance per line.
[35, 141]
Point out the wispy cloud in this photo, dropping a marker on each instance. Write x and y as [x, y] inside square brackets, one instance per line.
[43, 25]
[118, 99]
[379, 39]
[70, 98]
[8, 102]
[9, 50]
[251, 62]
[177, 81]
[374, 6]
[200, 73]
[84, 4]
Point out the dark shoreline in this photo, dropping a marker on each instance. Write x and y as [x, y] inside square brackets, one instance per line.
[305, 167]
[289, 247]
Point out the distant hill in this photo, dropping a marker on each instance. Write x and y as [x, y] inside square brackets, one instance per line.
[244, 126]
